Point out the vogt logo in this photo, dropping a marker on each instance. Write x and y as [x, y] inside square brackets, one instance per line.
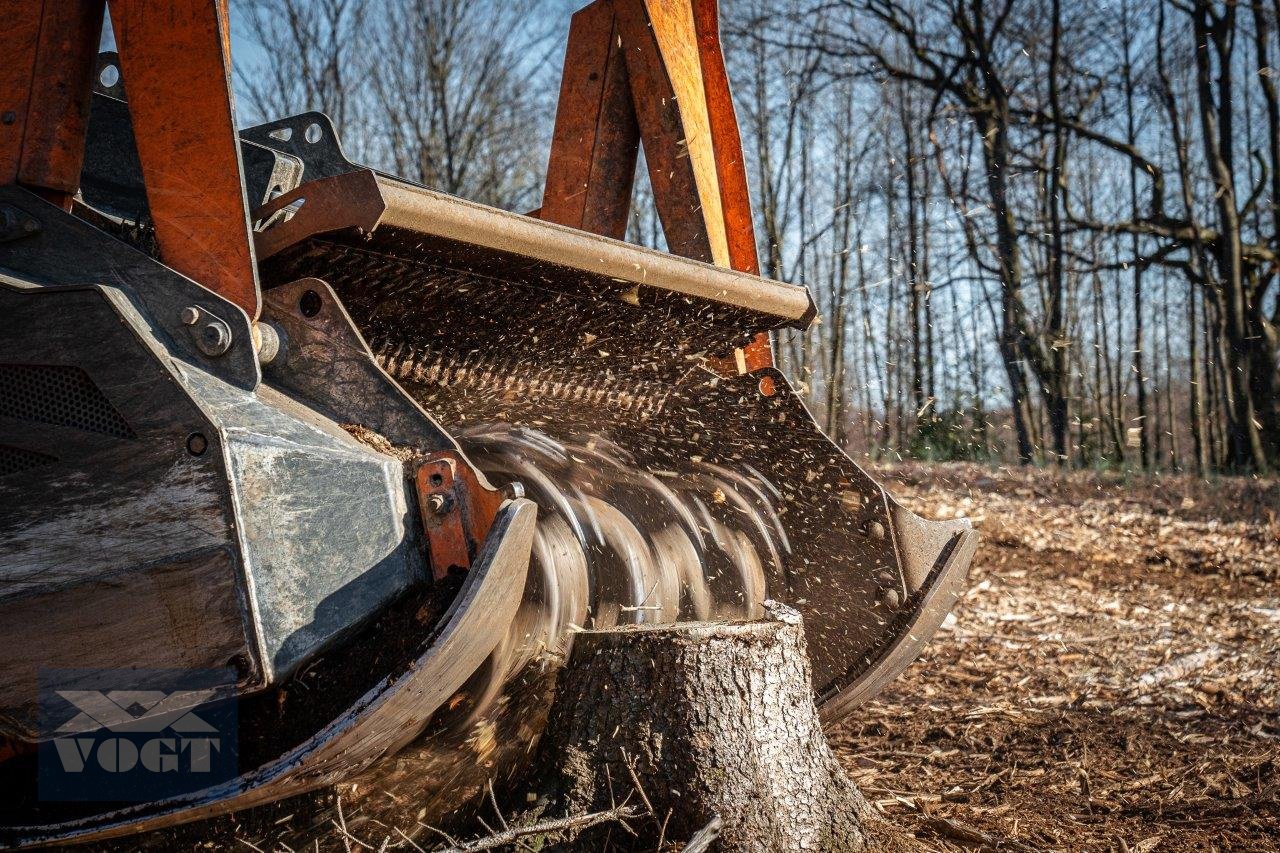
[135, 735]
[157, 711]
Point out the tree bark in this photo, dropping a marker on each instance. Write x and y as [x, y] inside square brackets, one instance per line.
[699, 721]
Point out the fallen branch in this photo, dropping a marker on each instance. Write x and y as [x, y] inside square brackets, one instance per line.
[547, 827]
[709, 833]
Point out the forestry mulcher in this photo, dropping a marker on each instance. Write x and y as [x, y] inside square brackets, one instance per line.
[317, 471]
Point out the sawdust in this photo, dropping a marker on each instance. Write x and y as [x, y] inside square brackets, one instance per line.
[1108, 683]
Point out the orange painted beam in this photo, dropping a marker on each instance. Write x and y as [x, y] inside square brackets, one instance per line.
[48, 51]
[667, 55]
[731, 167]
[176, 60]
[660, 45]
[58, 115]
[595, 145]
[19, 45]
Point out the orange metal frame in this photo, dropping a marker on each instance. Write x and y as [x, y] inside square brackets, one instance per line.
[652, 72]
[176, 56]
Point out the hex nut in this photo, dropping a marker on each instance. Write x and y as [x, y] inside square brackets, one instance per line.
[214, 339]
[439, 504]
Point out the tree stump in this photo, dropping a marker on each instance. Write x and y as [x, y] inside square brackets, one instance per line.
[697, 721]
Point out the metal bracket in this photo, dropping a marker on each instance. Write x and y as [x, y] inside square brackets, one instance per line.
[311, 138]
[66, 251]
[327, 364]
[317, 207]
[457, 510]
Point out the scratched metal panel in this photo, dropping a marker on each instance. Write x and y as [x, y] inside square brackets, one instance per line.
[181, 614]
[326, 526]
[319, 531]
[118, 551]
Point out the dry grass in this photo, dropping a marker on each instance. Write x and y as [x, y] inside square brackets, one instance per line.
[1109, 682]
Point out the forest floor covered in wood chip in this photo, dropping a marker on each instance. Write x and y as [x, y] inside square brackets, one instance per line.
[1110, 680]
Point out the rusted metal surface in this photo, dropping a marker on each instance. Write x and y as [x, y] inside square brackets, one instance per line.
[735, 195]
[48, 49]
[457, 510]
[731, 171]
[60, 67]
[654, 70]
[670, 103]
[592, 166]
[20, 46]
[651, 71]
[321, 206]
[176, 60]
[384, 720]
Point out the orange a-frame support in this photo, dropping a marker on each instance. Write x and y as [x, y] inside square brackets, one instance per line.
[652, 72]
[176, 57]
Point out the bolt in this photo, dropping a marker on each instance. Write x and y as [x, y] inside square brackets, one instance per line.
[270, 342]
[190, 315]
[214, 339]
[875, 530]
[16, 224]
[241, 665]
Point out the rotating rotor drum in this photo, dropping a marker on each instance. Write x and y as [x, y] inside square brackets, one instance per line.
[586, 370]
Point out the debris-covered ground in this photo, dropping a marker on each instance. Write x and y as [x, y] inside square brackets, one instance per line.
[1110, 681]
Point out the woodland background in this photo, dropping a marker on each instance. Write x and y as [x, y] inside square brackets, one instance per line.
[1037, 232]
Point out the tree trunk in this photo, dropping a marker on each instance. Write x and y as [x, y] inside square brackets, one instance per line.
[698, 721]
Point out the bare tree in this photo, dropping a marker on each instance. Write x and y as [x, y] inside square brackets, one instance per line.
[993, 203]
[315, 57]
